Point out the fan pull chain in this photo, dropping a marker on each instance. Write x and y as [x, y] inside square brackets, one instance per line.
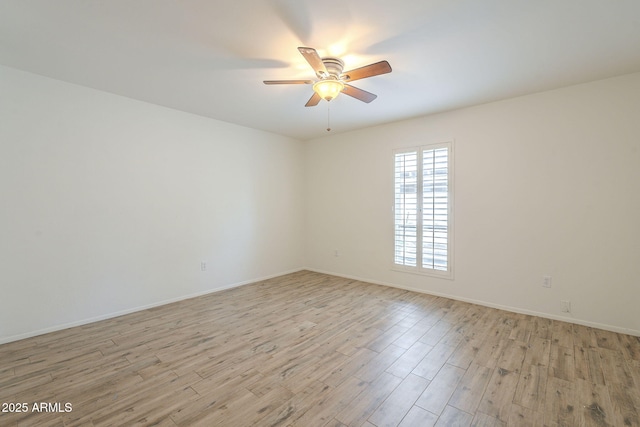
[328, 116]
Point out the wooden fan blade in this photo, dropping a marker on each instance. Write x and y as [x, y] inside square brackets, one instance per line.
[360, 94]
[370, 70]
[313, 101]
[312, 57]
[288, 82]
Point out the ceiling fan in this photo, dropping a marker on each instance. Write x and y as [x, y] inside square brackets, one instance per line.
[332, 81]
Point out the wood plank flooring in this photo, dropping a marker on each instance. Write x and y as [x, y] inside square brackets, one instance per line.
[308, 349]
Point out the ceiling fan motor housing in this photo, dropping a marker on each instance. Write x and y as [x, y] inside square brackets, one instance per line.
[334, 67]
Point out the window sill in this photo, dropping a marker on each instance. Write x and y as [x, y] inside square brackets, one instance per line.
[448, 275]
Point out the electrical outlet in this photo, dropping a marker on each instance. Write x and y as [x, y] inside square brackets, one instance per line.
[566, 306]
[203, 266]
[546, 281]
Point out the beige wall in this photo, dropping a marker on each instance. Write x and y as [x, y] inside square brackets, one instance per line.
[110, 204]
[545, 184]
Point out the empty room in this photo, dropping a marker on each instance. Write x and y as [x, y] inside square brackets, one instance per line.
[301, 213]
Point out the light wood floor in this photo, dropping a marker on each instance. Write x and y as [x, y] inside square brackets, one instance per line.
[309, 349]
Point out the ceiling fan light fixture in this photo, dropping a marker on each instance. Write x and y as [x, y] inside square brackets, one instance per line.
[328, 88]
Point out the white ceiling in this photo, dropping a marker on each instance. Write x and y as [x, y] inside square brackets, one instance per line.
[210, 57]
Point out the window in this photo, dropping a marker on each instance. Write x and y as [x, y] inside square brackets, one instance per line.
[423, 209]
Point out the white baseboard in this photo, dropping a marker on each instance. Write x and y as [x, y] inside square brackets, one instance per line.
[582, 322]
[362, 279]
[87, 321]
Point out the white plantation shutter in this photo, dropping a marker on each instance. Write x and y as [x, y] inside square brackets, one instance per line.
[435, 207]
[422, 209]
[406, 208]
